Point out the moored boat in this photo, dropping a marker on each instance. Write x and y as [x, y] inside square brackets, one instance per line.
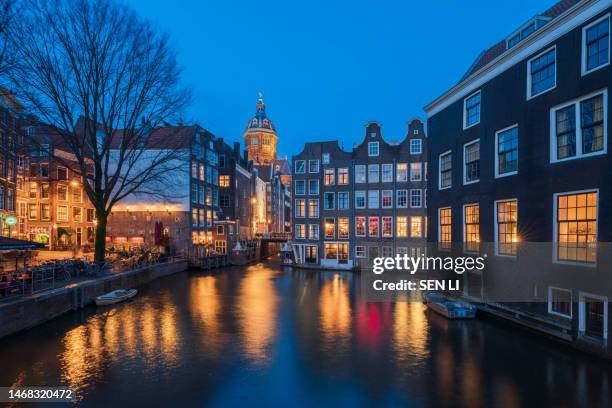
[116, 296]
[447, 307]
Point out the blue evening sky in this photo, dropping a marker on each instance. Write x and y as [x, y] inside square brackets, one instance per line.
[327, 67]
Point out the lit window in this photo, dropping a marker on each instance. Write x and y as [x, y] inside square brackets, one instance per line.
[401, 200]
[373, 199]
[577, 227]
[445, 170]
[387, 226]
[360, 226]
[560, 302]
[343, 228]
[331, 250]
[300, 166]
[329, 179]
[471, 157]
[541, 75]
[360, 173]
[343, 200]
[596, 45]
[329, 200]
[444, 228]
[313, 231]
[77, 214]
[300, 231]
[343, 176]
[300, 185]
[471, 110]
[387, 199]
[330, 228]
[300, 208]
[372, 148]
[62, 213]
[401, 225]
[313, 208]
[313, 166]
[580, 128]
[373, 228]
[373, 175]
[387, 173]
[506, 160]
[507, 234]
[415, 146]
[416, 227]
[416, 173]
[360, 199]
[402, 172]
[415, 199]
[313, 187]
[62, 192]
[471, 235]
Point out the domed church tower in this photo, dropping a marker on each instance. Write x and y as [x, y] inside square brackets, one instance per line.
[260, 136]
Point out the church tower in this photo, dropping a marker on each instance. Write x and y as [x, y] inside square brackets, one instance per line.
[260, 136]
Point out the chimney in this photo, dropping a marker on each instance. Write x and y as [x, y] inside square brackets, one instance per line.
[237, 152]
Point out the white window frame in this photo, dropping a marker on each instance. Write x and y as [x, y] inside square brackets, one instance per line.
[365, 199]
[296, 189]
[420, 198]
[318, 166]
[496, 152]
[582, 311]
[362, 251]
[407, 198]
[325, 158]
[368, 199]
[372, 144]
[496, 227]
[365, 230]
[333, 194]
[382, 172]
[296, 231]
[465, 110]
[440, 227]
[549, 301]
[365, 172]
[440, 170]
[382, 201]
[377, 167]
[296, 166]
[420, 145]
[348, 200]
[529, 79]
[317, 229]
[420, 173]
[318, 187]
[465, 182]
[318, 208]
[305, 207]
[464, 230]
[555, 257]
[553, 128]
[583, 56]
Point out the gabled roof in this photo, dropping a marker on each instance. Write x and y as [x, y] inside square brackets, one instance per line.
[499, 48]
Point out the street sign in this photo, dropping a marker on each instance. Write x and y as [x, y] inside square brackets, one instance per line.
[10, 220]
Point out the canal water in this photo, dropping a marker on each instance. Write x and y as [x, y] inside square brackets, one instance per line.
[262, 336]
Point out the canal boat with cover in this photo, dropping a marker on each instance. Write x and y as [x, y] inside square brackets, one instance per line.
[448, 307]
[116, 296]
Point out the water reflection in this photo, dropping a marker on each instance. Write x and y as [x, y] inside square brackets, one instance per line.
[311, 341]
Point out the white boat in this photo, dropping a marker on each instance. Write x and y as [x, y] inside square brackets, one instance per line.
[115, 296]
[449, 308]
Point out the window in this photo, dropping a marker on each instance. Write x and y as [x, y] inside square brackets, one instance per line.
[329, 199]
[77, 214]
[416, 230]
[300, 208]
[62, 173]
[313, 187]
[343, 228]
[576, 230]
[401, 226]
[387, 226]
[506, 157]
[471, 110]
[526, 30]
[580, 128]
[313, 166]
[300, 166]
[62, 213]
[372, 149]
[471, 227]
[416, 172]
[343, 176]
[444, 228]
[313, 208]
[331, 250]
[415, 146]
[330, 228]
[360, 173]
[471, 160]
[202, 172]
[77, 194]
[373, 199]
[224, 200]
[62, 192]
[446, 170]
[328, 180]
[300, 231]
[402, 172]
[401, 200]
[373, 226]
[325, 158]
[44, 170]
[387, 173]
[313, 231]
[300, 186]
[194, 216]
[387, 199]
[360, 199]
[45, 212]
[560, 302]
[360, 226]
[90, 214]
[506, 235]
[343, 200]
[224, 181]
[33, 211]
[541, 73]
[44, 191]
[415, 199]
[360, 251]
[221, 161]
[373, 175]
[596, 45]
[221, 246]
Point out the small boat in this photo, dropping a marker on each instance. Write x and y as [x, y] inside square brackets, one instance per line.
[447, 307]
[115, 296]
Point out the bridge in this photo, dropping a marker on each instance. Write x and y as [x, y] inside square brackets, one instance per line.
[279, 237]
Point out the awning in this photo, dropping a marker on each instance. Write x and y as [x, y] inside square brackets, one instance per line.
[7, 244]
[64, 231]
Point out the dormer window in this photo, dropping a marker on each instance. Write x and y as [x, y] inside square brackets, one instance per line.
[526, 30]
[373, 149]
[372, 134]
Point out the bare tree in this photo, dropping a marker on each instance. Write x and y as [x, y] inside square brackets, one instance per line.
[7, 14]
[103, 78]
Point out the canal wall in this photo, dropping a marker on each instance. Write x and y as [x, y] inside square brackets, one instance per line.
[36, 309]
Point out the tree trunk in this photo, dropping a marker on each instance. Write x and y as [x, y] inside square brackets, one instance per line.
[100, 252]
